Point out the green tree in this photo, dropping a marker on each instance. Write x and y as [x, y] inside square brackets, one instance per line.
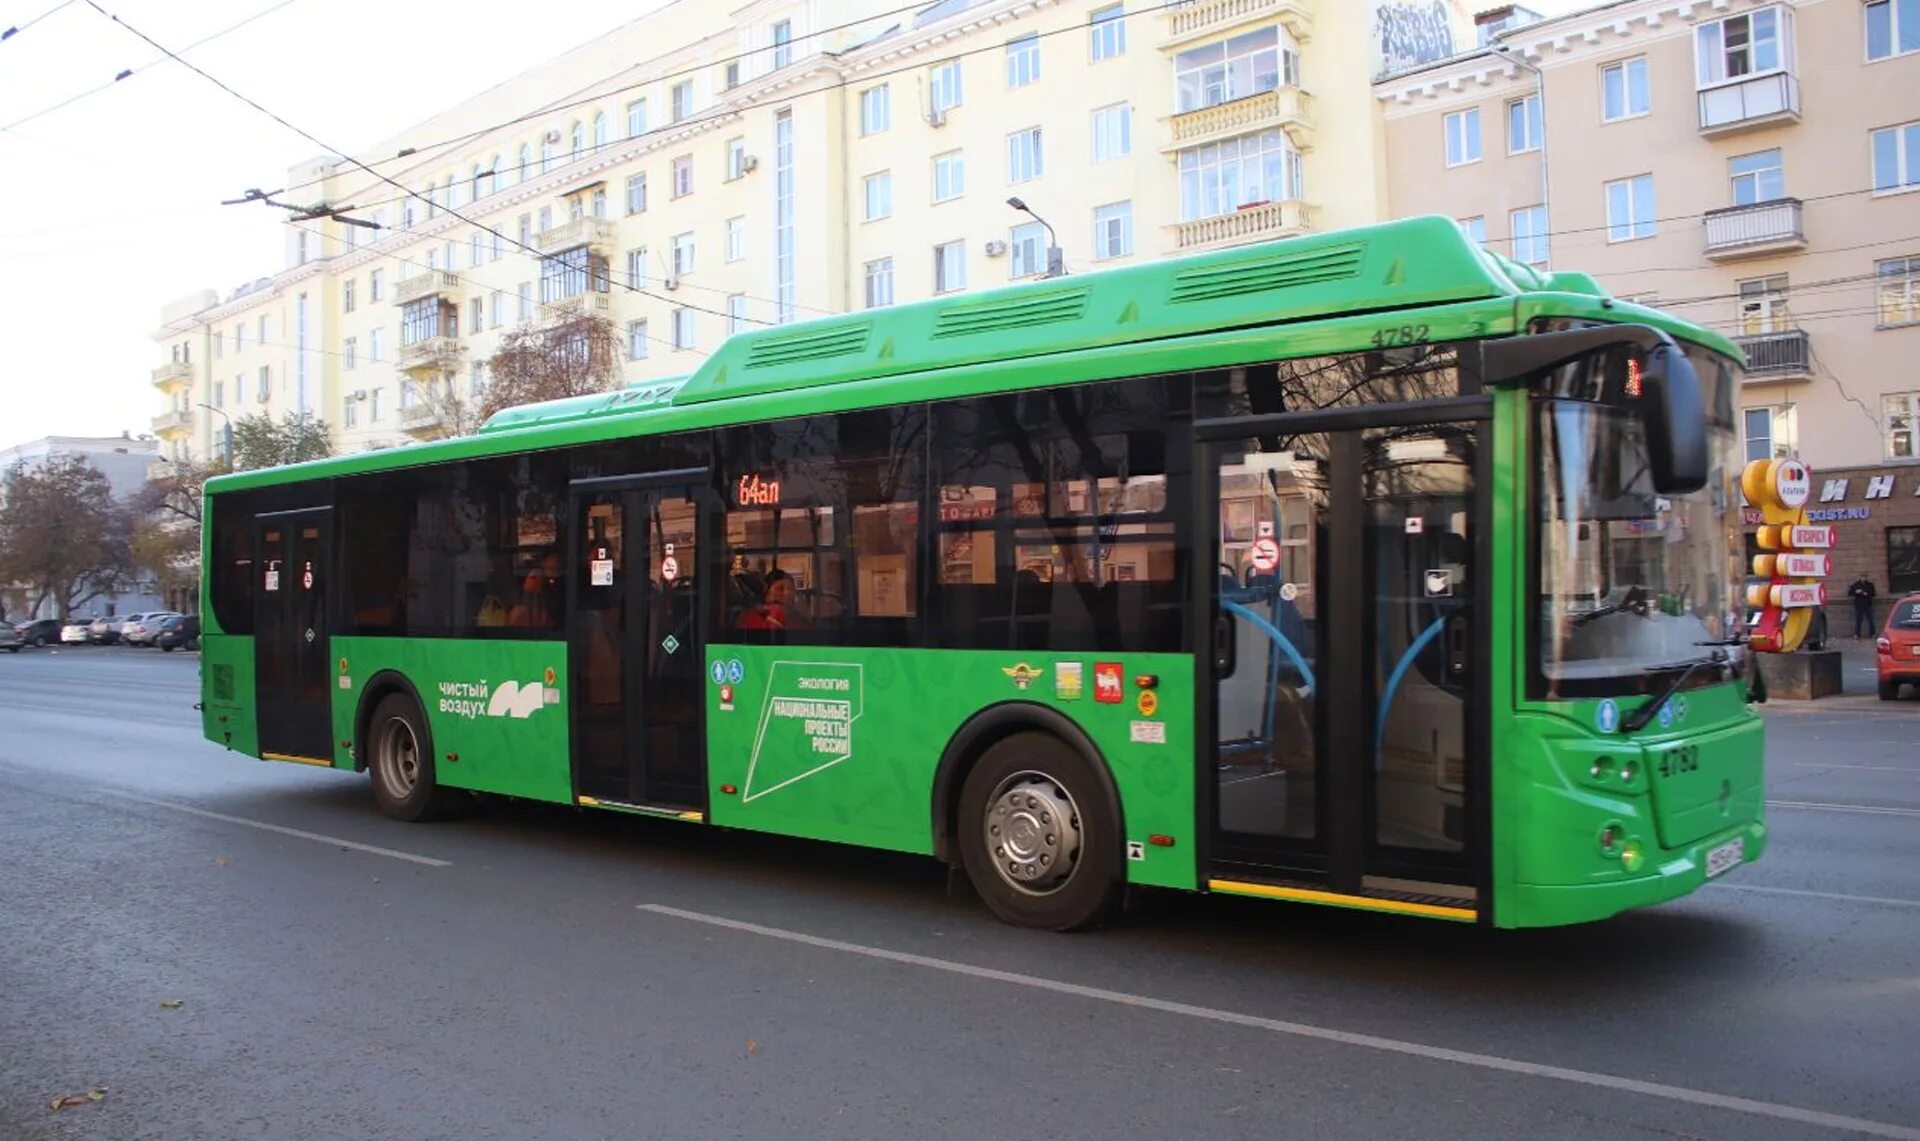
[62, 537]
[261, 441]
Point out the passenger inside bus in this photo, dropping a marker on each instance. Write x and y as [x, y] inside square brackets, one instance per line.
[776, 609]
[539, 604]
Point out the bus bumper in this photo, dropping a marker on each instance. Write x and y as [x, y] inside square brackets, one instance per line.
[1671, 874]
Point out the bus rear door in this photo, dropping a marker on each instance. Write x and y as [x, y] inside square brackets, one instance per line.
[292, 668]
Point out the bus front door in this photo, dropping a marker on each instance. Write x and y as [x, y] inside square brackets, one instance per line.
[292, 670]
[1348, 603]
[636, 629]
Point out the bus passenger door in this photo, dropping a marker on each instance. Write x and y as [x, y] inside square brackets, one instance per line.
[291, 650]
[637, 632]
[1347, 686]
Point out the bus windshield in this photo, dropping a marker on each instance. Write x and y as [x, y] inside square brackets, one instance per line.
[1630, 581]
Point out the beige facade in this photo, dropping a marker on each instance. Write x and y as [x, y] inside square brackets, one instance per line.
[712, 167]
[1754, 167]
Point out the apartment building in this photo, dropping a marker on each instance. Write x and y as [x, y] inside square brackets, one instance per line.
[710, 167]
[1753, 166]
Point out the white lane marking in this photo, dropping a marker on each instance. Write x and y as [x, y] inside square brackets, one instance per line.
[1867, 809]
[1319, 1033]
[370, 849]
[1884, 900]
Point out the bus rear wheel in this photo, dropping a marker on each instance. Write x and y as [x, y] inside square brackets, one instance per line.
[1038, 838]
[400, 760]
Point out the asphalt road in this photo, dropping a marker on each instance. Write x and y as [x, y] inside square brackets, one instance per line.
[246, 950]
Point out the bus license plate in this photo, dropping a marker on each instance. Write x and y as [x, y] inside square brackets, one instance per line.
[1727, 855]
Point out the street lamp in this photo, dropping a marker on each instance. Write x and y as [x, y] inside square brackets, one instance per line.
[1056, 260]
[1540, 93]
[226, 432]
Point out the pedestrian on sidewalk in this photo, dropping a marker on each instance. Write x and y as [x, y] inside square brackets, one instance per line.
[1862, 593]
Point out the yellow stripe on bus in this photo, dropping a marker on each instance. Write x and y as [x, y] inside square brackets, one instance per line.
[1338, 899]
[321, 761]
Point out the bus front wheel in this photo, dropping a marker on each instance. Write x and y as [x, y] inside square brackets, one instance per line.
[1038, 838]
[400, 759]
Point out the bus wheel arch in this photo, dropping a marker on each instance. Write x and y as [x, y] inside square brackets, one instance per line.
[1018, 742]
[377, 689]
[394, 744]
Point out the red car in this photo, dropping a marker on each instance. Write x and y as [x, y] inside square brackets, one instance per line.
[1899, 646]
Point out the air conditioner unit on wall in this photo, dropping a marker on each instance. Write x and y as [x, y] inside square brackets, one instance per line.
[996, 248]
[937, 118]
[748, 163]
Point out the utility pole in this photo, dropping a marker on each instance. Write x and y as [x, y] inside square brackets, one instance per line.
[1540, 93]
[1056, 258]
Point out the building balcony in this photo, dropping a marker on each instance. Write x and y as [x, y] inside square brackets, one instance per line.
[595, 233]
[171, 376]
[1748, 103]
[422, 421]
[435, 354]
[593, 301]
[1191, 21]
[172, 424]
[1285, 108]
[1773, 358]
[1749, 231]
[433, 283]
[1258, 223]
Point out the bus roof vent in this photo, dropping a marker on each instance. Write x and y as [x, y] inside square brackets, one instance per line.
[1021, 312]
[808, 345]
[1282, 269]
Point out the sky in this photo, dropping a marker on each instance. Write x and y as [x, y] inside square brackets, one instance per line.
[110, 206]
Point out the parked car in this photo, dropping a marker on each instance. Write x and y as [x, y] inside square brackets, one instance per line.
[103, 631]
[181, 631]
[74, 633]
[10, 638]
[40, 631]
[1898, 646]
[139, 630]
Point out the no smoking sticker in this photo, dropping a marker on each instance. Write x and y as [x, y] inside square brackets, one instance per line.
[1264, 554]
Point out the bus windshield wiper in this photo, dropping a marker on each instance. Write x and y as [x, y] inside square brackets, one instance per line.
[1637, 720]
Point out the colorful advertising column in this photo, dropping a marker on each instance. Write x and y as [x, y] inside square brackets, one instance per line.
[1793, 556]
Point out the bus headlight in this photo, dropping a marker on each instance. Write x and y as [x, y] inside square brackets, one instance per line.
[1632, 855]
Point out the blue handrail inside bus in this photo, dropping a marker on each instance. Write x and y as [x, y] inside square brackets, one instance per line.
[1279, 639]
[1393, 684]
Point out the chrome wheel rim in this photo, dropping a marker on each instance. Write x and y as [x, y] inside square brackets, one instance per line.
[1033, 833]
[398, 757]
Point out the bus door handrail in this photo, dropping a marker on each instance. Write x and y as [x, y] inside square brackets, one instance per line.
[1273, 632]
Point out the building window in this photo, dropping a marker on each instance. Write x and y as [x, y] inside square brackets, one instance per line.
[349, 354]
[525, 293]
[1112, 132]
[576, 208]
[949, 176]
[1476, 228]
[879, 195]
[1897, 413]
[599, 129]
[349, 412]
[571, 273]
[373, 406]
[1107, 32]
[636, 193]
[376, 344]
[636, 267]
[1759, 423]
[419, 320]
[1763, 305]
[736, 158]
[1524, 125]
[1024, 163]
[730, 75]
[1023, 60]
[477, 379]
[736, 312]
[1757, 177]
[265, 329]
[949, 267]
[683, 176]
[736, 239]
[526, 230]
[1630, 209]
[1903, 562]
[266, 383]
[498, 243]
[1112, 231]
[1893, 28]
[1530, 235]
[1896, 158]
[1739, 46]
[685, 331]
[782, 43]
[636, 340]
[524, 168]
[636, 118]
[1222, 177]
[682, 99]
[348, 299]
[1028, 247]
[477, 249]
[879, 283]
[1898, 280]
[240, 330]
[944, 87]
[1463, 136]
[1624, 92]
[876, 110]
[496, 309]
[476, 315]
[682, 254]
[599, 211]
[1245, 65]
[577, 142]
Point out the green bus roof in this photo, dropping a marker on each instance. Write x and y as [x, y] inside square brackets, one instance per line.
[1401, 265]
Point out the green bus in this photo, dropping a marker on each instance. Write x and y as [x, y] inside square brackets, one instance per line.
[1366, 569]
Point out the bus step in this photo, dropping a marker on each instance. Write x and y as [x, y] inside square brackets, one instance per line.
[661, 812]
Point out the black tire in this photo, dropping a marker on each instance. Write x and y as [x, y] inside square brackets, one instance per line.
[1889, 691]
[39, 641]
[1058, 785]
[13, 649]
[399, 752]
[168, 648]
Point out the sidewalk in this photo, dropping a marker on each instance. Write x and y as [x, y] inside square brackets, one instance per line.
[1859, 683]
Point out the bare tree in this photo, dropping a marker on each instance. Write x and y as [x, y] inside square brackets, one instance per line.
[575, 356]
[63, 539]
[165, 528]
[261, 441]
